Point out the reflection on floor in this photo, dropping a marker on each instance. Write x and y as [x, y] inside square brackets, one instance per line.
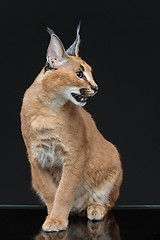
[119, 224]
[81, 228]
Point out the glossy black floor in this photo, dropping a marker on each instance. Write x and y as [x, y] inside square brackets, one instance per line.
[125, 224]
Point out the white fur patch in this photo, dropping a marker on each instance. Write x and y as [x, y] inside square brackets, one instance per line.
[89, 79]
[69, 96]
[87, 76]
[59, 102]
[46, 155]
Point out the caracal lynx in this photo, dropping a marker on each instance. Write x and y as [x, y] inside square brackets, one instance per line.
[73, 168]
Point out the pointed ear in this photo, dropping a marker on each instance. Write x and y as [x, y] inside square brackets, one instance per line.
[74, 48]
[56, 54]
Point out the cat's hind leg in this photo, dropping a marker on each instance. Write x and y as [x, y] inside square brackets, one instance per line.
[104, 198]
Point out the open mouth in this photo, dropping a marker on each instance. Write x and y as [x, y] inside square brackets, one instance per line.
[79, 98]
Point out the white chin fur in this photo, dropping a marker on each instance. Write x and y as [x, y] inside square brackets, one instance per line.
[71, 98]
[82, 104]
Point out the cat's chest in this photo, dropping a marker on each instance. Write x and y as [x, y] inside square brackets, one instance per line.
[48, 153]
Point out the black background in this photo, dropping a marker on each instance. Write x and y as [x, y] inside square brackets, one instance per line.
[121, 41]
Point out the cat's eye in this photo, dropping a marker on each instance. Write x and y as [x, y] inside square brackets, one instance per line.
[80, 74]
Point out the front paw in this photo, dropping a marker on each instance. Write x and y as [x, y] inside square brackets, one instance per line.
[54, 224]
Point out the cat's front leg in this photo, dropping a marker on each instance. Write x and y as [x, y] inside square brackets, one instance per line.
[58, 218]
[43, 184]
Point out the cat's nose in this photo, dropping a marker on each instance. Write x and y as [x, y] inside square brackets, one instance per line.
[94, 88]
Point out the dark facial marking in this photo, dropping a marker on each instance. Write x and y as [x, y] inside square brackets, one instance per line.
[82, 68]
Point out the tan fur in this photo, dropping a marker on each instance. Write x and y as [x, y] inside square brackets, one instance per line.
[72, 166]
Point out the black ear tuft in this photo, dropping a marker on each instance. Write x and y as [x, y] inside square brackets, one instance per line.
[49, 30]
[74, 48]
